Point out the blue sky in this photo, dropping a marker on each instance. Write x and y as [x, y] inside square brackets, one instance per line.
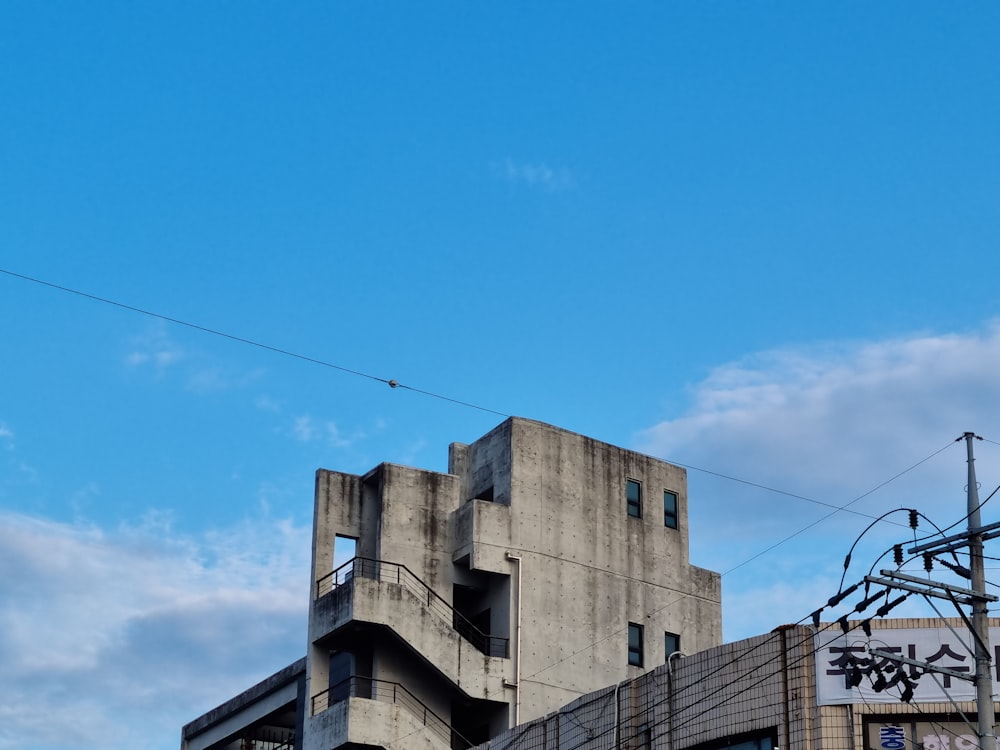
[755, 238]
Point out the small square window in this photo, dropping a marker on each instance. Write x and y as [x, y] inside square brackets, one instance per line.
[671, 644]
[633, 498]
[670, 509]
[635, 644]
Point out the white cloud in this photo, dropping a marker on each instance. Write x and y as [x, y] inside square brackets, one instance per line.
[154, 348]
[19, 472]
[155, 351]
[829, 424]
[535, 175]
[215, 379]
[307, 429]
[841, 417]
[411, 451]
[117, 638]
[266, 403]
[208, 380]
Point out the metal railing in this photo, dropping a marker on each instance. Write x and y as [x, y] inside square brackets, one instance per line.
[388, 692]
[269, 739]
[388, 572]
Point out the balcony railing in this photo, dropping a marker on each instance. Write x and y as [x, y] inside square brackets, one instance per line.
[266, 739]
[388, 572]
[388, 692]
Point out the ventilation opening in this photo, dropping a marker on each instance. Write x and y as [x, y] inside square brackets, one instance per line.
[475, 722]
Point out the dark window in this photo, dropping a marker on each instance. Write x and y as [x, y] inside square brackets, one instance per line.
[765, 740]
[644, 737]
[341, 666]
[635, 644]
[633, 498]
[671, 643]
[670, 509]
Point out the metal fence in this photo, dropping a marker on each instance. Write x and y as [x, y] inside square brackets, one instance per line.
[269, 739]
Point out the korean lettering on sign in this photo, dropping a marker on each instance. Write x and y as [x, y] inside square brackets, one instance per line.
[931, 736]
[839, 657]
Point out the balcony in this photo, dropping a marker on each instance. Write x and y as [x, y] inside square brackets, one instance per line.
[399, 575]
[367, 688]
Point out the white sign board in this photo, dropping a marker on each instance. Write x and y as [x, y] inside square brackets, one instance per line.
[837, 652]
[937, 735]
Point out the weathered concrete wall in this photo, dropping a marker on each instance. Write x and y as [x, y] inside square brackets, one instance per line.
[588, 568]
[337, 510]
[371, 724]
[484, 466]
[482, 536]
[416, 510]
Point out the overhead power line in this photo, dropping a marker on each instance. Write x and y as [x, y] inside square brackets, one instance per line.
[232, 337]
[392, 383]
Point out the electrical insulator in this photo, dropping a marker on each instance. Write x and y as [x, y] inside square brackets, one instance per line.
[888, 606]
[907, 695]
[833, 601]
[913, 518]
[853, 676]
[863, 605]
[928, 562]
[897, 554]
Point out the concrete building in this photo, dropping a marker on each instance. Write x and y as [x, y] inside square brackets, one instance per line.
[786, 689]
[542, 566]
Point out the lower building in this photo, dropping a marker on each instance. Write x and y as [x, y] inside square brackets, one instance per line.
[268, 716]
[792, 688]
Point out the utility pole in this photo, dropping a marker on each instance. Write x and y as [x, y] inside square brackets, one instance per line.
[980, 623]
[976, 597]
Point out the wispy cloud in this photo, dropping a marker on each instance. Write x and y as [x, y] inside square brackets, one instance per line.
[155, 351]
[155, 624]
[154, 348]
[325, 433]
[266, 403]
[411, 452]
[830, 424]
[534, 175]
[18, 471]
[307, 429]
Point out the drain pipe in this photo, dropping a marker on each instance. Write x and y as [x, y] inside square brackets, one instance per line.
[517, 653]
[618, 718]
[670, 695]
